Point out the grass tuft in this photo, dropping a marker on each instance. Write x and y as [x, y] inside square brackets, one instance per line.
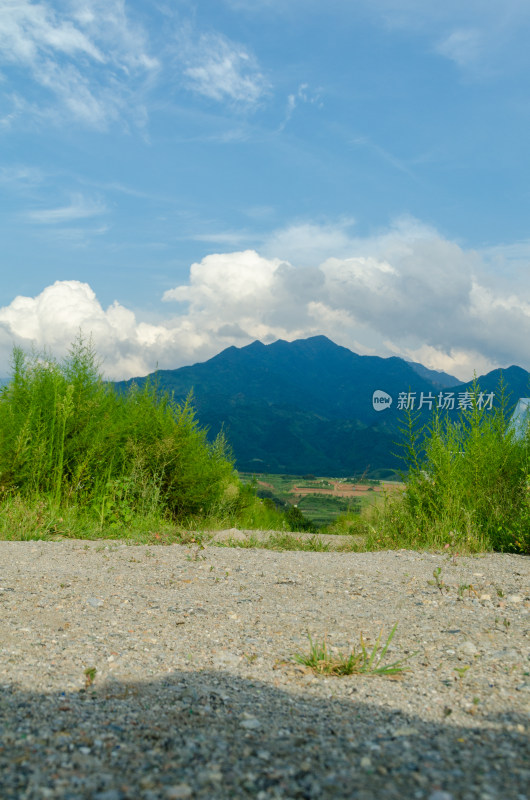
[363, 661]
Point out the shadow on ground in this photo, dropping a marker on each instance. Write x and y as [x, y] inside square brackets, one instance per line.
[207, 734]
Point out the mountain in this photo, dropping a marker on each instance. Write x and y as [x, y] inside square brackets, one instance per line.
[440, 379]
[308, 406]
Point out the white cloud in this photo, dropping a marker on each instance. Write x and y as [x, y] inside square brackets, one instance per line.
[128, 347]
[303, 95]
[463, 46]
[309, 243]
[79, 208]
[87, 55]
[222, 70]
[407, 291]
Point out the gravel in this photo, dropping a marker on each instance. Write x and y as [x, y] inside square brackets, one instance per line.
[159, 673]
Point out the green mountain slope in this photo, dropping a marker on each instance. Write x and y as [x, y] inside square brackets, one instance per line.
[306, 406]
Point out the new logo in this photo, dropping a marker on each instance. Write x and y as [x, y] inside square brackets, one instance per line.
[381, 400]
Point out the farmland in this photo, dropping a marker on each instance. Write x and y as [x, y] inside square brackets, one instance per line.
[320, 499]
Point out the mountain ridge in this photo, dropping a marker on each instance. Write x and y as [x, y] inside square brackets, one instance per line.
[307, 406]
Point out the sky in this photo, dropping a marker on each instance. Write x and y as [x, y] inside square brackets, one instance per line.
[179, 176]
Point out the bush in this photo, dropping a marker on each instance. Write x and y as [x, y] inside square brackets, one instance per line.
[467, 484]
[475, 476]
[67, 436]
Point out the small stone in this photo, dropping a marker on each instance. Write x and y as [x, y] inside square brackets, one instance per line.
[251, 724]
[439, 795]
[179, 792]
[485, 596]
[514, 598]
[467, 649]
[366, 762]
[95, 602]
[226, 659]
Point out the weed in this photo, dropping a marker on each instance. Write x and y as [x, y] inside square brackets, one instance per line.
[461, 671]
[437, 573]
[450, 547]
[322, 661]
[90, 676]
[505, 623]
[466, 587]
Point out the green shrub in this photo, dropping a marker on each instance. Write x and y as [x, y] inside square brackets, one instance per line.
[67, 436]
[473, 479]
[466, 486]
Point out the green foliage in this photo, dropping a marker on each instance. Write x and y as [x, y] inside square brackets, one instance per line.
[324, 662]
[472, 477]
[69, 438]
[297, 522]
[281, 542]
[466, 487]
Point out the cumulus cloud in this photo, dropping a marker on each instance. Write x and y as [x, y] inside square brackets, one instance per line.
[304, 243]
[407, 292]
[88, 55]
[128, 347]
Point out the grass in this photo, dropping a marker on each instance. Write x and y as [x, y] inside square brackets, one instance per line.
[466, 488]
[361, 662]
[69, 440]
[281, 541]
[80, 460]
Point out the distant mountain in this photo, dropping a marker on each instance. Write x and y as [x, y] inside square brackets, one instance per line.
[440, 379]
[308, 405]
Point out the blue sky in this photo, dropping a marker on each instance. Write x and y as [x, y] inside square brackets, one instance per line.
[177, 177]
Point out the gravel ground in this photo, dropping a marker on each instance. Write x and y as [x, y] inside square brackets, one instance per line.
[195, 694]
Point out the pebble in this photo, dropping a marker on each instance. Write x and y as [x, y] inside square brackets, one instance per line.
[251, 724]
[467, 649]
[195, 692]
